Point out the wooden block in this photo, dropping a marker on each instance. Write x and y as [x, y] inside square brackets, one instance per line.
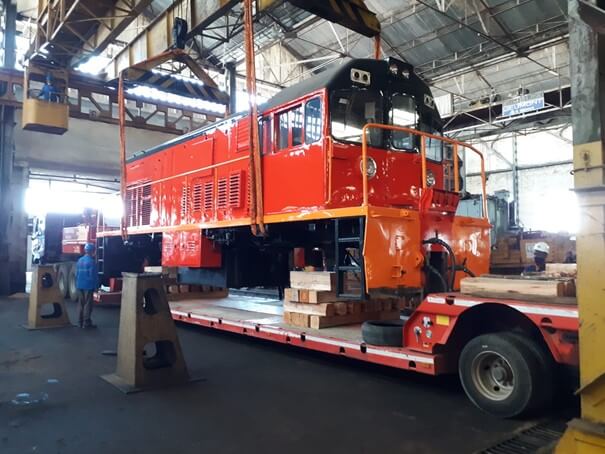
[303, 296]
[513, 286]
[318, 296]
[291, 294]
[562, 269]
[339, 308]
[318, 322]
[153, 269]
[313, 280]
[311, 309]
[296, 319]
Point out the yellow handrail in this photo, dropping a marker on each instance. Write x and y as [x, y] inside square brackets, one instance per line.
[423, 135]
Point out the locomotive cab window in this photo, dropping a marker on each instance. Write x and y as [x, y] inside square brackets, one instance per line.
[264, 135]
[290, 128]
[403, 113]
[313, 120]
[351, 110]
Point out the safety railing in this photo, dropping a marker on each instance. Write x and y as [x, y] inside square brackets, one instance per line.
[423, 136]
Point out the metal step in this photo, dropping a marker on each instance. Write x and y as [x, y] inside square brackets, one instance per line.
[530, 440]
[352, 240]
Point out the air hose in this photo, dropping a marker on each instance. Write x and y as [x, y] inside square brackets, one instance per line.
[453, 266]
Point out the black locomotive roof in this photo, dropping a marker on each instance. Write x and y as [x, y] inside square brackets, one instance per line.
[337, 77]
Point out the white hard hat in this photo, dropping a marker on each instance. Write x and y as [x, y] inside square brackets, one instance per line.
[542, 247]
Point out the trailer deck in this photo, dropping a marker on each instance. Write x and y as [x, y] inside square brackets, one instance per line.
[262, 318]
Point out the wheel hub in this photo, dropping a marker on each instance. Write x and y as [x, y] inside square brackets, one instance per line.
[493, 375]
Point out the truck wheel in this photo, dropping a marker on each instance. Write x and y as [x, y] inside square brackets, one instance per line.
[63, 280]
[73, 291]
[504, 373]
[383, 332]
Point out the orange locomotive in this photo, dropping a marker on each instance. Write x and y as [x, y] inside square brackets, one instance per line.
[355, 173]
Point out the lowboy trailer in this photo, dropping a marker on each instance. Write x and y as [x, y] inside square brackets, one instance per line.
[511, 355]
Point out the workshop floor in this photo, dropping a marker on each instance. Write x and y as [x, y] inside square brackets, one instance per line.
[256, 397]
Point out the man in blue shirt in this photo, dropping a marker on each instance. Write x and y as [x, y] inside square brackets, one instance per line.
[49, 93]
[86, 282]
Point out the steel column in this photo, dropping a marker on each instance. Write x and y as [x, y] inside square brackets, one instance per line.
[515, 169]
[587, 52]
[9, 209]
[232, 84]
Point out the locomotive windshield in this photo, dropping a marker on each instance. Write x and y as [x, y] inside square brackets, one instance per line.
[403, 113]
[351, 110]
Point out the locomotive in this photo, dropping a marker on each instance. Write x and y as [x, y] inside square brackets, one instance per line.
[357, 178]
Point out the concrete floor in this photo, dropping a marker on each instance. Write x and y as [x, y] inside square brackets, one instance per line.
[257, 397]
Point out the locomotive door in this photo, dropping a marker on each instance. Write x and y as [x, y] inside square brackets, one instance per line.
[294, 158]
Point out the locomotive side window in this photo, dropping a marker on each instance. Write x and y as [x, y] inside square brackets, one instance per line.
[313, 120]
[265, 136]
[351, 110]
[290, 128]
[296, 123]
[282, 131]
[403, 113]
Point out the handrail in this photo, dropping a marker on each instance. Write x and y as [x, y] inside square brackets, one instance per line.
[423, 136]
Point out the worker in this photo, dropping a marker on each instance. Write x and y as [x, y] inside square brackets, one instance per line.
[49, 93]
[86, 283]
[541, 251]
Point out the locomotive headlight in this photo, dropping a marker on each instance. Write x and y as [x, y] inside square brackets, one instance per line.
[371, 167]
[430, 178]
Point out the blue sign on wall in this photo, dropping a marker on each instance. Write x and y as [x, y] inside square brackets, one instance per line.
[523, 104]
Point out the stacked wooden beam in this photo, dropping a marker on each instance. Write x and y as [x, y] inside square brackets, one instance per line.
[311, 302]
[179, 292]
[512, 286]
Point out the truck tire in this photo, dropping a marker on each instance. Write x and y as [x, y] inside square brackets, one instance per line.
[63, 280]
[504, 374]
[73, 291]
[383, 332]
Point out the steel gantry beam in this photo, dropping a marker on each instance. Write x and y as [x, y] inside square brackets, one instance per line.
[586, 435]
[68, 31]
[157, 36]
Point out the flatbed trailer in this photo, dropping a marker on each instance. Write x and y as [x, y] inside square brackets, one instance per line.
[435, 335]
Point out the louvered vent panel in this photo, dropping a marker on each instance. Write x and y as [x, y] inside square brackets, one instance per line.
[185, 195]
[130, 207]
[243, 135]
[222, 196]
[208, 195]
[145, 205]
[235, 190]
[197, 197]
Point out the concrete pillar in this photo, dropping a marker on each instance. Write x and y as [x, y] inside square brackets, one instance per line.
[587, 54]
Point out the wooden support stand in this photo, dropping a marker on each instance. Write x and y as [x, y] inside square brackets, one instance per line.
[45, 292]
[149, 352]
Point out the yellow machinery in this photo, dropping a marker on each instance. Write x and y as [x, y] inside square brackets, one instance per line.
[586, 435]
[45, 106]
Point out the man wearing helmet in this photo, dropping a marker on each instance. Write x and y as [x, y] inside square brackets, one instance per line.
[86, 283]
[541, 251]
